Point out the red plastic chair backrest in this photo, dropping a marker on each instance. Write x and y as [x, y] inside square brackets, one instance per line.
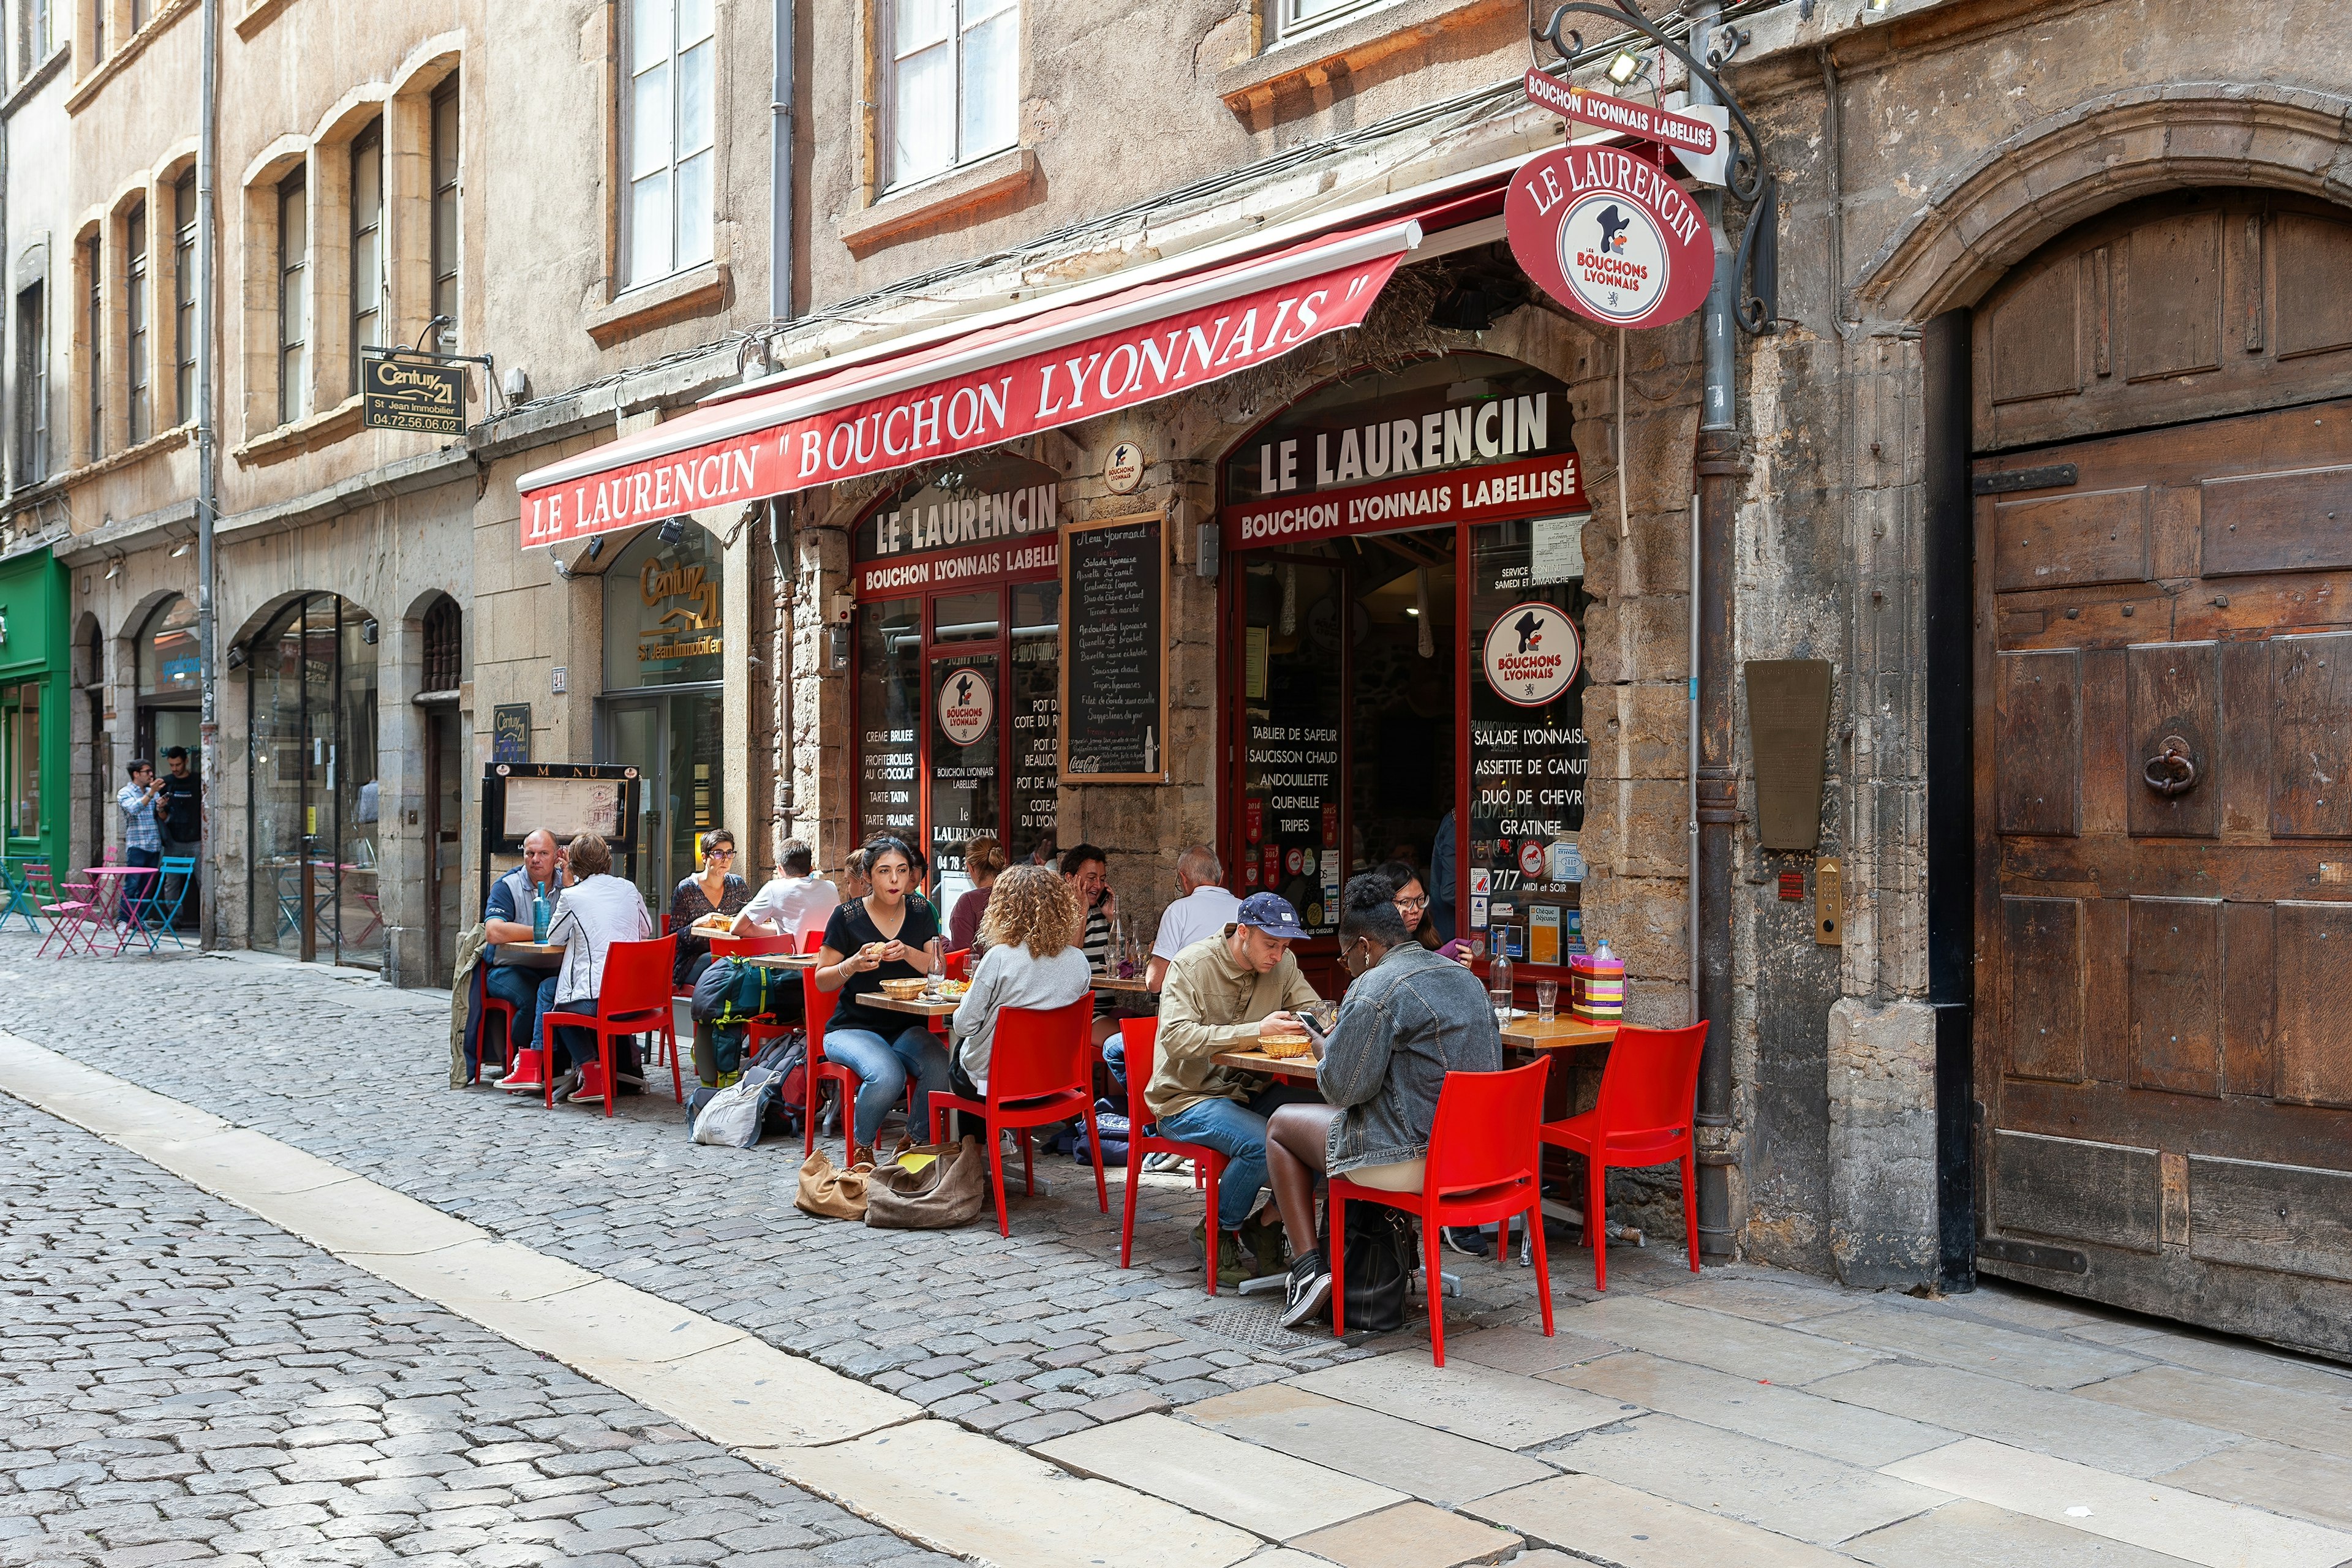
[1040, 1051]
[957, 964]
[1651, 1084]
[637, 976]
[811, 941]
[1486, 1132]
[1141, 1037]
[818, 1008]
[665, 923]
[750, 946]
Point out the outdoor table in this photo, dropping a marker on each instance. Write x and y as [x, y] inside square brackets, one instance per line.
[914, 1005]
[781, 960]
[1112, 982]
[1560, 1033]
[107, 902]
[541, 949]
[1300, 1068]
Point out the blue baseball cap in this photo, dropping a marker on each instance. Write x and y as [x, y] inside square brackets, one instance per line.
[1271, 913]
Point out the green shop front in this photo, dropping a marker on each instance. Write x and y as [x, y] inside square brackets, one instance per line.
[35, 730]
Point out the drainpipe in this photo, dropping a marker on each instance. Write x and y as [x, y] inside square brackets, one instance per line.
[1719, 470]
[207, 458]
[779, 309]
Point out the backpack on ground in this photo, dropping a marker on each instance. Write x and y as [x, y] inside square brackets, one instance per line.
[732, 993]
[1378, 1265]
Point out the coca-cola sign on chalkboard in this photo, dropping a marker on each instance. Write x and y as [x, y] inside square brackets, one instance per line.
[1115, 651]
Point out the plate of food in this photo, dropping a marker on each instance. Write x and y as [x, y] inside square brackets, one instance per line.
[951, 989]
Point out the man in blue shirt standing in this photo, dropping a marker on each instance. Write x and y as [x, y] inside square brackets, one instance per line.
[142, 834]
[515, 977]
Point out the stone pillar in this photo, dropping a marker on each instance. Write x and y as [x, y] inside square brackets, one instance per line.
[1881, 1094]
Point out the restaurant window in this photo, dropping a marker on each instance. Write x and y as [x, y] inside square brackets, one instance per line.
[32, 385]
[957, 721]
[137, 336]
[313, 796]
[367, 246]
[445, 644]
[293, 303]
[445, 205]
[661, 709]
[20, 736]
[1381, 527]
[94, 349]
[184, 296]
[669, 145]
[954, 80]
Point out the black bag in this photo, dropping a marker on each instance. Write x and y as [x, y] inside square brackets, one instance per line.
[1379, 1263]
[732, 991]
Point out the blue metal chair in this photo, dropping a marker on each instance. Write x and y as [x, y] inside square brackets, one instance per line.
[155, 921]
[20, 896]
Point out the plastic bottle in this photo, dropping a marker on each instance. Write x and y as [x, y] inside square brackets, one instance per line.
[538, 911]
[1498, 983]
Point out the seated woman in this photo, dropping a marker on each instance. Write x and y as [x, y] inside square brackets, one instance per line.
[885, 935]
[1033, 959]
[595, 912]
[715, 890]
[1412, 898]
[983, 862]
[1409, 1019]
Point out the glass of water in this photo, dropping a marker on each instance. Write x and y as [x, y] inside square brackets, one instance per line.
[1547, 1000]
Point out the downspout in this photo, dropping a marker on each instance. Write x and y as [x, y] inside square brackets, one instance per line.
[779, 309]
[207, 457]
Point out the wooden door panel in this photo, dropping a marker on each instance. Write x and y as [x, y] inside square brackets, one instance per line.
[2243, 766]
[2314, 309]
[2250, 992]
[2277, 522]
[2172, 297]
[2041, 990]
[2072, 1189]
[2040, 744]
[2176, 992]
[2068, 540]
[2175, 693]
[2311, 736]
[2036, 340]
[2292, 1218]
[2314, 1003]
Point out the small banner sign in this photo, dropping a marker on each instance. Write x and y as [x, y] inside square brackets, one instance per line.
[1610, 235]
[413, 394]
[1682, 132]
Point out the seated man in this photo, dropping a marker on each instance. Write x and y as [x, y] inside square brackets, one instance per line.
[796, 902]
[514, 977]
[597, 910]
[1203, 908]
[1219, 992]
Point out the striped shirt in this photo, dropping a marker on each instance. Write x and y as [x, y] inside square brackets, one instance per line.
[139, 830]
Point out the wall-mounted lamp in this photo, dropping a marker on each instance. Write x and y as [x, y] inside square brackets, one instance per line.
[595, 547]
[236, 656]
[182, 548]
[672, 531]
[370, 631]
[1624, 67]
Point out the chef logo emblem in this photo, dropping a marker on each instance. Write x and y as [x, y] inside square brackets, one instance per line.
[967, 706]
[1532, 654]
[1612, 255]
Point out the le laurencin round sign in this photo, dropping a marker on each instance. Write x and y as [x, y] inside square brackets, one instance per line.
[1532, 653]
[967, 706]
[1610, 235]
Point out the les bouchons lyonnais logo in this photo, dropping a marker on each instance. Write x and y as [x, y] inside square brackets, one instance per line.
[967, 706]
[1610, 235]
[1532, 654]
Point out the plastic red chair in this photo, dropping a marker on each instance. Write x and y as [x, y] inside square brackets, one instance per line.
[818, 1005]
[1649, 1092]
[811, 941]
[958, 963]
[1142, 1037]
[490, 1005]
[1040, 1071]
[1485, 1165]
[635, 1000]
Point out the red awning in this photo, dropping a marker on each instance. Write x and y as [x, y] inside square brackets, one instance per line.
[1056, 365]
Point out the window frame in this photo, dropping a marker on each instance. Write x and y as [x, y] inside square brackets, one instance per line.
[368, 296]
[445, 258]
[184, 296]
[1289, 24]
[892, 63]
[138, 326]
[32, 307]
[293, 313]
[36, 24]
[681, 256]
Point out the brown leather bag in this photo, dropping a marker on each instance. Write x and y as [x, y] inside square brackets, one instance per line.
[948, 1192]
[830, 1192]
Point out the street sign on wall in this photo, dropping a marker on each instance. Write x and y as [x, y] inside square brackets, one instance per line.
[1610, 235]
[1681, 131]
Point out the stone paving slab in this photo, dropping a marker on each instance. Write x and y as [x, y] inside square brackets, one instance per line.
[1602, 1521]
[2041, 1359]
[2286, 1415]
[2294, 1481]
[1970, 1531]
[1757, 1409]
[1411, 1535]
[1712, 1339]
[1417, 1460]
[1272, 1494]
[1465, 1399]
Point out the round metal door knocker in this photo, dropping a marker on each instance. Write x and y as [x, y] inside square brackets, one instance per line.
[2172, 771]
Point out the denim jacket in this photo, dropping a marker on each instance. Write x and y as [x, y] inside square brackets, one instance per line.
[1406, 1023]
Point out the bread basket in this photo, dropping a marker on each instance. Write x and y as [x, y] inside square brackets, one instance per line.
[903, 990]
[1283, 1045]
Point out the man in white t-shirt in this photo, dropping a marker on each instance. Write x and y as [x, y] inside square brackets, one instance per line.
[797, 902]
[1205, 911]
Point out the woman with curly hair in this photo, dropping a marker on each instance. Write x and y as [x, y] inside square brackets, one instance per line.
[1031, 932]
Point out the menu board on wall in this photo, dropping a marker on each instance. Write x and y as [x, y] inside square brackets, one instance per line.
[1115, 651]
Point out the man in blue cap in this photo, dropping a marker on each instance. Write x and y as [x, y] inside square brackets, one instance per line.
[1220, 993]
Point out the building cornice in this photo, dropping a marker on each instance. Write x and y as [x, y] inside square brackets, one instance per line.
[30, 88]
[115, 64]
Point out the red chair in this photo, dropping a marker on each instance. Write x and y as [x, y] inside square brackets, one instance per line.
[1040, 1071]
[1649, 1092]
[1142, 1037]
[1485, 1165]
[818, 1005]
[490, 1004]
[811, 941]
[635, 1000]
[958, 963]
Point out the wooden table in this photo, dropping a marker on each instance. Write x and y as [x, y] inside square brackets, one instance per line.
[1558, 1035]
[1295, 1068]
[539, 949]
[914, 1005]
[1112, 982]
[783, 960]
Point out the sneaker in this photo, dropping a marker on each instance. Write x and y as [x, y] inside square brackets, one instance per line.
[1309, 1288]
[1467, 1240]
[564, 1085]
[1262, 1245]
[1230, 1272]
[1163, 1162]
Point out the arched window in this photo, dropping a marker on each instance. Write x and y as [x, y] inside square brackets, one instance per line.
[444, 661]
[168, 663]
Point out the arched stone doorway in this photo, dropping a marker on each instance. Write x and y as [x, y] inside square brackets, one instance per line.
[2162, 516]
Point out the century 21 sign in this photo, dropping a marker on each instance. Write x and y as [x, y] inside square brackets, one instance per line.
[1610, 235]
[413, 394]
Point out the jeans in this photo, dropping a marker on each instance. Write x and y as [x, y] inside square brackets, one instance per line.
[573, 1045]
[1236, 1131]
[514, 984]
[883, 1068]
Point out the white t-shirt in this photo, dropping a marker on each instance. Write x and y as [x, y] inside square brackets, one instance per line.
[794, 905]
[1205, 911]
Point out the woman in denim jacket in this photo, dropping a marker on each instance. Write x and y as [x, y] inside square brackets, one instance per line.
[1410, 1019]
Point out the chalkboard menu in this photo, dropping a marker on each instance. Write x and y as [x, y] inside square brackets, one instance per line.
[1115, 651]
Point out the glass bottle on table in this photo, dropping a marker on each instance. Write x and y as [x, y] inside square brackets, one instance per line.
[938, 971]
[1498, 984]
[540, 913]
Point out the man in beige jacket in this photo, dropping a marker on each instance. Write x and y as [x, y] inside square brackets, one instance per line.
[1219, 992]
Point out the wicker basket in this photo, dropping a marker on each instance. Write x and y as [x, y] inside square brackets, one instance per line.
[903, 990]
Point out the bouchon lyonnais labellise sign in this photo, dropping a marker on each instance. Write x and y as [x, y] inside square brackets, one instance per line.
[1610, 235]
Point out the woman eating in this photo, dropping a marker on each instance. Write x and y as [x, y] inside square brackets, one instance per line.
[715, 890]
[1032, 929]
[983, 862]
[884, 935]
[1409, 1019]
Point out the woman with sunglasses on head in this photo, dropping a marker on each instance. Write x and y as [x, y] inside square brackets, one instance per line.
[715, 890]
[888, 934]
[1409, 1019]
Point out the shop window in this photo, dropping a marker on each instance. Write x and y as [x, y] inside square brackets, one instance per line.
[662, 608]
[889, 713]
[32, 385]
[140, 12]
[445, 650]
[446, 214]
[313, 796]
[669, 115]
[293, 303]
[168, 664]
[136, 335]
[367, 246]
[184, 296]
[20, 736]
[954, 80]
[1033, 704]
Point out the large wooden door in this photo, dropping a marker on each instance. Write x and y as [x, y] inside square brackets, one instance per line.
[2163, 745]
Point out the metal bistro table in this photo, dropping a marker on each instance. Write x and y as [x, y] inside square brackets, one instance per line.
[115, 899]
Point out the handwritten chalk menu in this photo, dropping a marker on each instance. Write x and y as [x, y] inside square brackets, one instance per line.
[1115, 651]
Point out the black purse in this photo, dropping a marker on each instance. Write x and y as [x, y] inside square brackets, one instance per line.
[1382, 1246]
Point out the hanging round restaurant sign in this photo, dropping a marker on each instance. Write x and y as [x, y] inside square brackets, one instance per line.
[967, 706]
[1610, 235]
[1532, 653]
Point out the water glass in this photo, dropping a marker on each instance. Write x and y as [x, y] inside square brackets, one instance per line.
[1547, 1000]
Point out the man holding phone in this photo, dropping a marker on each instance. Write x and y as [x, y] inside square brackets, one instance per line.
[1083, 869]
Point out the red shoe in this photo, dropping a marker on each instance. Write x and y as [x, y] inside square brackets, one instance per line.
[529, 1074]
[592, 1086]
